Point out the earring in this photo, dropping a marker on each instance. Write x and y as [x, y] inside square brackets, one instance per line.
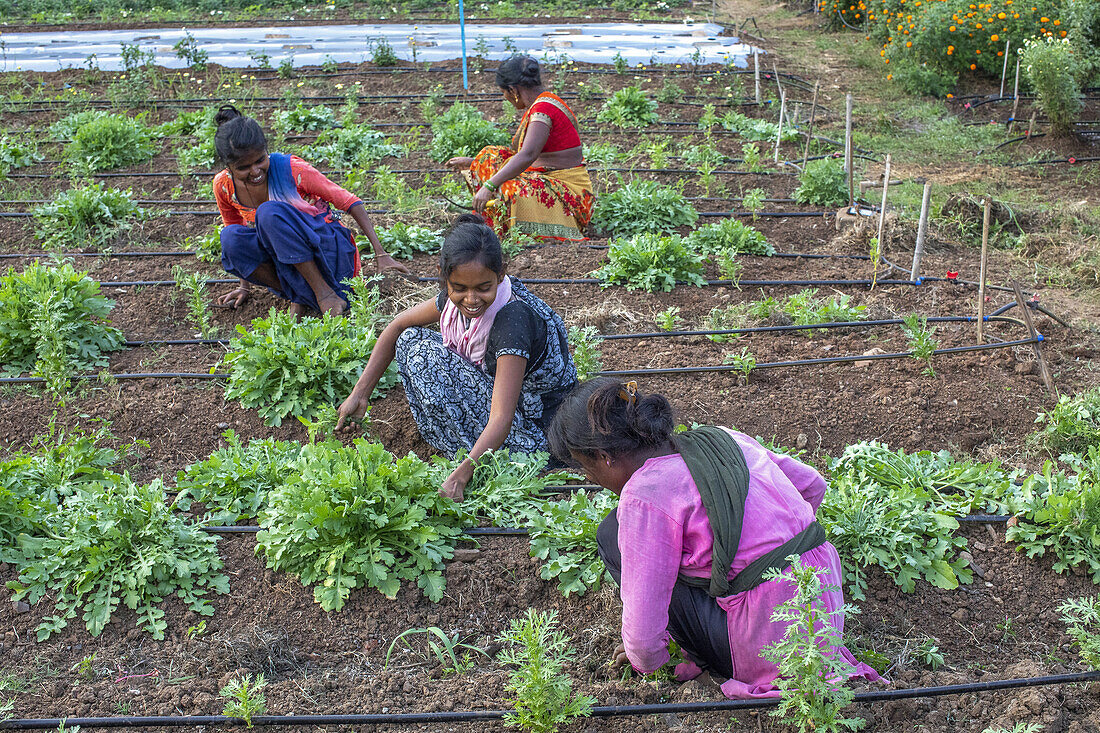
[609, 463]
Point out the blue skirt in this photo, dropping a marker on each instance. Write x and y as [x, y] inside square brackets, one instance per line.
[285, 236]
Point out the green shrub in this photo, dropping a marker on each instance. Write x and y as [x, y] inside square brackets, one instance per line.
[642, 207]
[462, 131]
[354, 516]
[51, 323]
[1072, 426]
[651, 262]
[201, 156]
[406, 240]
[822, 183]
[110, 141]
[628, 107]
[1053, 69]
[353, 146]
[118, 542]
[17, 153]
[87, 216]
[730, 234]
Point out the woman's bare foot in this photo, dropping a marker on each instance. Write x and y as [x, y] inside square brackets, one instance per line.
[333, 304]
[297, 309]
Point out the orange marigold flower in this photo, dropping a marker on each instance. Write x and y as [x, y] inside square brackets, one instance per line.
[1044, 19]
[1001, 16]
[950, 96]
[1062, 34]
[952, 29]
[1057, 22]
[908, 44]
[889, 77]
[973, 66]
[994, 38]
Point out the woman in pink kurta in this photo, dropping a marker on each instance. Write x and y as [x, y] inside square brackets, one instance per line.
[659, 543]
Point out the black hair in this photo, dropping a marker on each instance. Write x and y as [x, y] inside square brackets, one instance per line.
[469, 239]
[237, 135]
[600, 415]
[519, 71]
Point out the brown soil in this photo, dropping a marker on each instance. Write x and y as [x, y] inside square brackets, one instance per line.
[1003, 625]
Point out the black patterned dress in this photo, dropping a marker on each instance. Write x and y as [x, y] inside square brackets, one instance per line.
[450, 397]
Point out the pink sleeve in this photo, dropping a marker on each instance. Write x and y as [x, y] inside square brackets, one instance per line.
[313, 185]
[651, 544]
[805, 478]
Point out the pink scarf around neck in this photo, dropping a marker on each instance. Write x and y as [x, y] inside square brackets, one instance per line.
[471, 342]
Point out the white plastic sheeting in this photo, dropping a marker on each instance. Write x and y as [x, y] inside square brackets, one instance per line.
[639, 43]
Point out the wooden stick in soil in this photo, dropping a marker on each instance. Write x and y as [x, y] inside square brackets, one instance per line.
[882, 216]
[1004, 71]
[756, 72]
[1031, 125]
[848, 148]
[779, 130]
[981, 278]
[922, 231]
[810, 132]
[1015, 96]
[1044, 371]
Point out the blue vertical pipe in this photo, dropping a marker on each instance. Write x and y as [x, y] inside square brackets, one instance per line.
[462, 32]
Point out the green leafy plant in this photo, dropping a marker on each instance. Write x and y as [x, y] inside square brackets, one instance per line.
[1019, 727]
[233, 482]
[544, 698]
[381, 52]
[587, 356]
[462, 131]
[406, 240]
[1061, 516]
[729, 267]
[751, 158]
[643, 207]
[651, 262]
[353, 146]
[1082, 619]
[811, 678]
[200, 155]
[697, 155]
[708, 120]
[730, 235]
[670, 92]
[506, 488]
[922, 340]
[87, 216]
[198, 312]
[207, 247]
[1071, 426]
[110, 141]
[443, 647]
[301, 118]
[668, 319]
[117, 541]
[187, 49]
[619, 63]
[17, 152]
[726, 318]
[563, 536]
[822, 183]
[929, 654]
[805, 308]
[286, 366]
[752, 128]
[66, 127]
[285, 69]
[753, 202]
[743, 361]
[354, 516]
[52, 323]
[602, 153]
[245, 698]
[628, 107]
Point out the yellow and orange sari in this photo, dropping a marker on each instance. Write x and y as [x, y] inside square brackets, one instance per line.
[549, 204]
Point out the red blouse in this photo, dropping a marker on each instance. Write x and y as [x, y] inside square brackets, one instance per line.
[550, 110]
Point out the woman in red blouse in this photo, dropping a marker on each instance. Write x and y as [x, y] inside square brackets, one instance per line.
[539, 185]
[279, 230]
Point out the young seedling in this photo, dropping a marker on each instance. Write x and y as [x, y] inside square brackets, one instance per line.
[928, 654]
[729, 267]
[443, 647]
[921, 340]
[245, 698]
[587, 356]
[753, 202]
[743, 361]
[1082, 619]
[668, 319]
[811, 678]
[544, 698]
[198, 313]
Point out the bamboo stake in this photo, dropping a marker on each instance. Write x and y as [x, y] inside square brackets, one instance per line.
[779, 131]
[1044, 370]
[778, 84]
[1031, 125]
[756, 72]
[922, 231]
[882, 219]
[1004, 70]
[810, 133]
[981, 278]
[848, 148]
[1015, 94]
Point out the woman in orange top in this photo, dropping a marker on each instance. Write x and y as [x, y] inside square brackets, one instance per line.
[539, 186]
[279, 229]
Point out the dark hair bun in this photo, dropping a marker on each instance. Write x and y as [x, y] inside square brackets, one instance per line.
[226, 113]
[652, 419]
[599, 416]
[468, 219]
[519, 71]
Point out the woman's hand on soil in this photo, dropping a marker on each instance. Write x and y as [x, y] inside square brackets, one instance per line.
[352, 410]
[459, 163]
[385, 263]
[456, 482]
[481, 198]
[235, 298]
[619, 660]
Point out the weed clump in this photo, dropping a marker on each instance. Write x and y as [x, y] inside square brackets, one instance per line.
[109, 141]
[89, 215]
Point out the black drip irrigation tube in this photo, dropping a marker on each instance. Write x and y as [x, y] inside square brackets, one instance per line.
[601, 711]
[619, 373]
